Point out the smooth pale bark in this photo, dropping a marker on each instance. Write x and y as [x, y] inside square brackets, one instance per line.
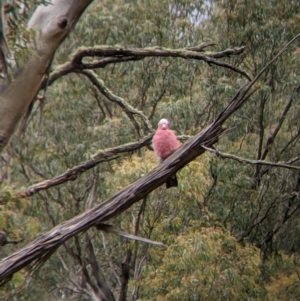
[52, 23]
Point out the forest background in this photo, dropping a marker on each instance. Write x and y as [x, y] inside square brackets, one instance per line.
[231, 229]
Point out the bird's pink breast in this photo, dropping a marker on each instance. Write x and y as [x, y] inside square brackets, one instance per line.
[164, 143]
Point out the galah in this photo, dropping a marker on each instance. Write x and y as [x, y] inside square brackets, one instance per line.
[165, 143]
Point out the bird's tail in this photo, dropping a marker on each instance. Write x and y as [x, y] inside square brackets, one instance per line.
[172, 181]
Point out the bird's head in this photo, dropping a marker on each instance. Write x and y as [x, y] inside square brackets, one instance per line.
[163, 124]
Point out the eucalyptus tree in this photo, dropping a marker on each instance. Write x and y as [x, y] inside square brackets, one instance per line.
[87, 136]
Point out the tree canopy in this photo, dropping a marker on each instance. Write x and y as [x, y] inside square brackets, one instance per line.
[80, 167]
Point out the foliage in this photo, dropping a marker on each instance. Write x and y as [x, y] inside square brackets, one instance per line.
[212, 267]
[231, 230]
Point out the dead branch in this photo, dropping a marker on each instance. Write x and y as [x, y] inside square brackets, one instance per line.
[72, 174]
[112, 55]
[270, 234]
[49, 242]
[226, 52]
[288, 213]
[126, 107]
[111, 229]
[257, 220]
[270, 141]
[69, 67]
[252, 162]
[272, 137]
[44, 246]
[96, 272]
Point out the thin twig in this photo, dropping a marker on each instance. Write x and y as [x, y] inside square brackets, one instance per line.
[111, 229]
[248, 161]
[126, 107]
[72, 174]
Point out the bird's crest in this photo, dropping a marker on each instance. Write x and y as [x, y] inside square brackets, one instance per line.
[164, 121]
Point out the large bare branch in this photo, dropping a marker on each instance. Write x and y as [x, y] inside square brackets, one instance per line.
[52, 23]
[111, 55]
[43, 247]
[118, 203]
[122, 200]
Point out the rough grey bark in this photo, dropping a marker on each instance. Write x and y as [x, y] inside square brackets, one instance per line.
[42, 248]
[52, 23]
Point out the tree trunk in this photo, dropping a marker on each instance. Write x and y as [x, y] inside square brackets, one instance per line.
[52, 24]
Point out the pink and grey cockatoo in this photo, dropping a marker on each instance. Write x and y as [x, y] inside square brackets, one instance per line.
[165, 143]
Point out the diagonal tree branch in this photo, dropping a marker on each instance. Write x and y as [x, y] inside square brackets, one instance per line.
[72, 174]
[127, 108]
[49, 242]
[96, 271]
[44, 246]
[272, 137]
[270, 141]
